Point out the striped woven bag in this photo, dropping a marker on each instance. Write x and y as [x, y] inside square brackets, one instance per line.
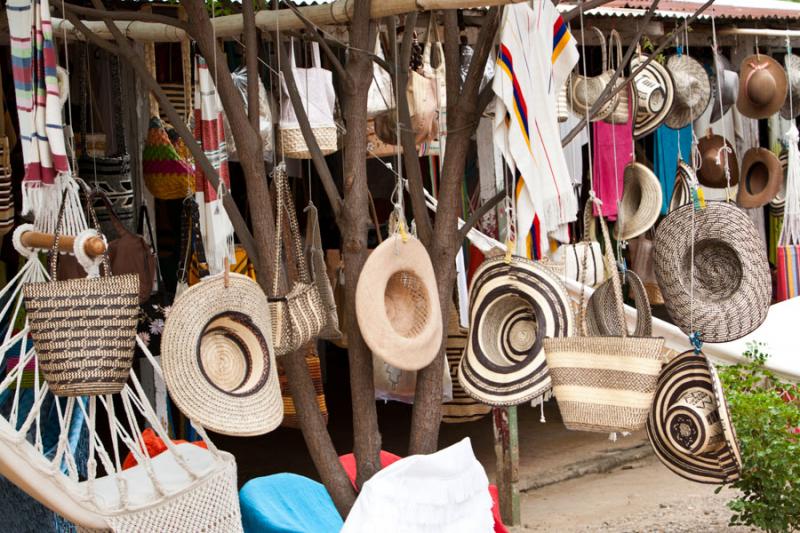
[604, 384]
[168, 172]
[315, 371]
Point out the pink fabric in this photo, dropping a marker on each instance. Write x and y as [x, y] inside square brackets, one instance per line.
[612, 142]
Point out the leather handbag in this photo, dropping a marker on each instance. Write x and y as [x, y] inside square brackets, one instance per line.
[299, 316]
[572, 255]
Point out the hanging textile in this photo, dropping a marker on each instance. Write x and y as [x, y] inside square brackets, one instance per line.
[573, 152]
[39, 102]
[215, 226]
[613, 150]
[665, 158]
[537, 53]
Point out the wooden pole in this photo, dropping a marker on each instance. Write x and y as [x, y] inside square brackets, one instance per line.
[338, 12]
[93, 247]
[506, 448]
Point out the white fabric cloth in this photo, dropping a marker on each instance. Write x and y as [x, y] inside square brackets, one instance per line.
[537, 53]
[573, 152]
[445, 492]
[315, 85]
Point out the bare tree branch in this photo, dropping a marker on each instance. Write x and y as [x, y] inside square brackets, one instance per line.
[251, 62]
[483, 48]
[476, 215]
[142, 16]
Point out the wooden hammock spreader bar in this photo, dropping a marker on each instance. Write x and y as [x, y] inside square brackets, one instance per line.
[338, 12]
[93, 247]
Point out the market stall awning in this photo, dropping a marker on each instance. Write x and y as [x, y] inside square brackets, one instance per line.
[721, 9]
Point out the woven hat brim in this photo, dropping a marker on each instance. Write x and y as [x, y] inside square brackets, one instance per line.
[392, 256]
[681, 194]
[526, 378]
[689, 370]
[749, 108]
[249, 414]
[645, 123]
[752, 157]
[721, 319]
[683, 113]
[635, 220]
[715, 142]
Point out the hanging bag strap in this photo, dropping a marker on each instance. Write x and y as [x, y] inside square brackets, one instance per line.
[192, 241]
[119, 227]
[144, 222]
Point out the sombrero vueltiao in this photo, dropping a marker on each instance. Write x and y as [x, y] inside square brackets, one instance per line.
[689, 425]
[655, 95]
[513, 307]
[732, 286]
[218, 361]
[682, 192]
[397, 304]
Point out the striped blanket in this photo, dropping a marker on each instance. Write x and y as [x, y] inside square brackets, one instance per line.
[47, 173]
[215, 226]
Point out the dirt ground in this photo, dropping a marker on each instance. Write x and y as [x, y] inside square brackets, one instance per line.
[639, 497]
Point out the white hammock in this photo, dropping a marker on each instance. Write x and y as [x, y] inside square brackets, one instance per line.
[186, 488]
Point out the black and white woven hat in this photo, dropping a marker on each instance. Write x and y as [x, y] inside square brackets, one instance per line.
[732, 286]
[513, 307]
[689, 425]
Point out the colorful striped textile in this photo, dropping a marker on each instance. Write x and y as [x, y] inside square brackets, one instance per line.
[536, 54]
[788, 265]
[34, 60]
[215, 226]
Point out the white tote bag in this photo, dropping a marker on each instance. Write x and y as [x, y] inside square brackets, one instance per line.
[381, 93]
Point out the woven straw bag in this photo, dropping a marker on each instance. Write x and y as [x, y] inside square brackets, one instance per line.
[620, 113]
[319, 273]
[587, 252]
[314, 366]
[585, 90]
[84, 330]
[601, 316]
[604, 384]
[299, 316]
[168, 173]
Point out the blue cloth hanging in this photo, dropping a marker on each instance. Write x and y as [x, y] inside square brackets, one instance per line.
[287, 503]
[665, 158]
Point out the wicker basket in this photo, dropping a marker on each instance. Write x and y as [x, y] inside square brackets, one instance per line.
[293, 144]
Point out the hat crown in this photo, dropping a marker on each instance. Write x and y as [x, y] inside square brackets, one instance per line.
[761, 86]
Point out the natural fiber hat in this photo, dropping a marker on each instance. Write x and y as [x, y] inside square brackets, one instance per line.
[692, 90]
[732, 284]
[682, 192]
[779, 201]
[762, 176]
[791, 107]
[726, 80]
[513, 307]
[218, 362]
[655, 96]
[762, 89]
[712, 170]
[641, 202]
[397, 304]
[689, 425]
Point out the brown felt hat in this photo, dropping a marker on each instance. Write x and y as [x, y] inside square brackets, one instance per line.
[762, 87]
[712, 169]
[762, 176]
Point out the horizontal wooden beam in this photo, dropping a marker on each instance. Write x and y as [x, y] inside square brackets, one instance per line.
[338, 12]
[94, 246]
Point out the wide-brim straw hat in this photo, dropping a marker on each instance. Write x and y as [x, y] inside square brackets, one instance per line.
[692, 90]
[700, 448]
[712, 170]
[791, 107]
[218, 361]
[762, 176]
[641, 202]
[397, 304]
[732, 286]
[762, 87]
[725, 80]
[513, 307]
[655, 96]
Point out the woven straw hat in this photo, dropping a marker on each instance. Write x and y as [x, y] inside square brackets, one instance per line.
[692, 90]
[218, 361]
[732, 284]
[777, 204]
[397, 304]
[655, 96]
[513, 307]
[792, 63]
[762, 90]
[641, 202]
[711, 172]
[689, 425]
[728, 82]
[682, 194]
[762, 176]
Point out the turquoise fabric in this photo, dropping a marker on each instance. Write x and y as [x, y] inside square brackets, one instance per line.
[665, 158]
[287, 503]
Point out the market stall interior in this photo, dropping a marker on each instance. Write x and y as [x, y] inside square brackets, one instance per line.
[240, 244]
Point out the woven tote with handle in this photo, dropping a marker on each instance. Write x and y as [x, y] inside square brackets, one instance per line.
[604, 384]
[585, 90]
[572, 256]
[168, 172]
[621, 111]
[84, 330]
[316, 259]
[299, 316]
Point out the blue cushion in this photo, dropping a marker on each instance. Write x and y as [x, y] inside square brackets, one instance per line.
[287, 503]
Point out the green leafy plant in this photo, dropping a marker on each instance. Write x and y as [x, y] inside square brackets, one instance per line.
[766, 415]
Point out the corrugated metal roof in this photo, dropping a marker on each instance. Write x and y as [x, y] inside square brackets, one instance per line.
[723, 9]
